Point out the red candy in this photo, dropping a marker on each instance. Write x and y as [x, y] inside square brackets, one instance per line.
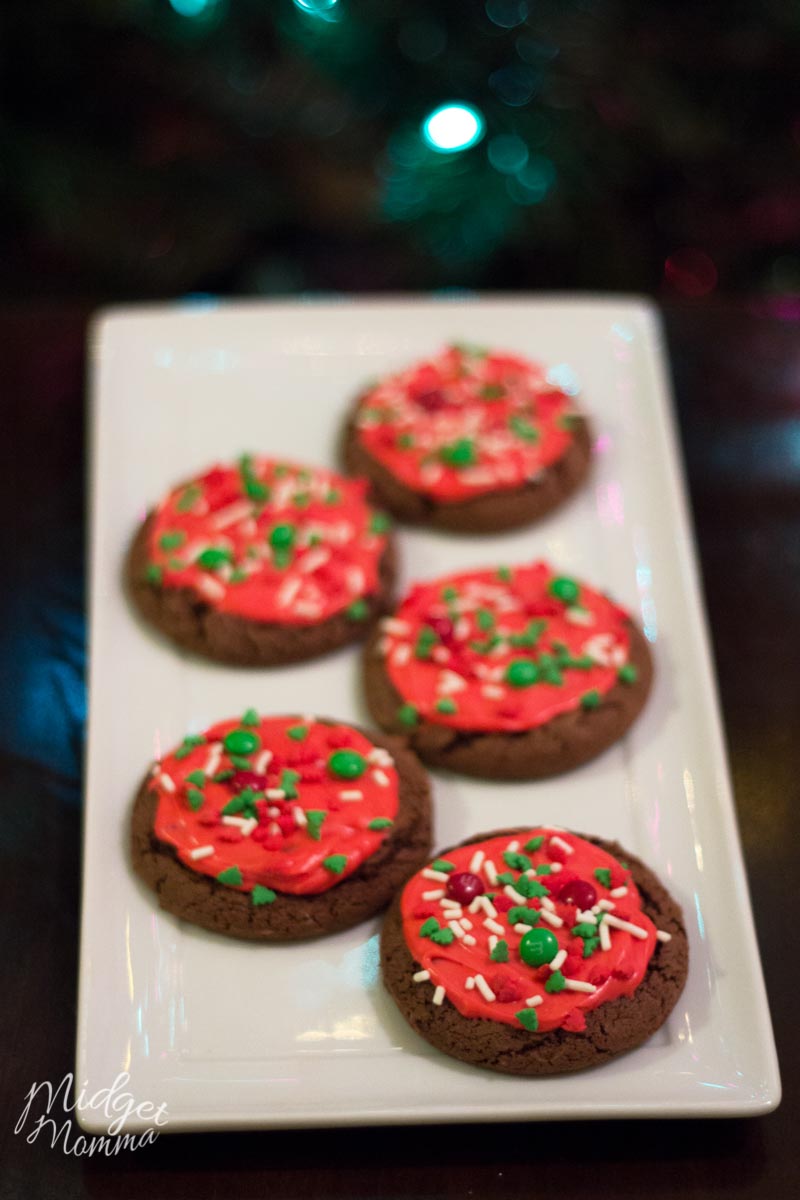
[579, 892]
[464, 887]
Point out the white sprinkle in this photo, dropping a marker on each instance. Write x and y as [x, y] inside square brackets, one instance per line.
[306, 608]
[430, 473]
[238, 821]
[492, 692]
[534, 1001]
[512, 847]
[562, 845]
[381, 777]
[587, 916]
[446, 902]
[492, 941]
[380, 757]
[469, 983]
[579, 616]
[556, 867]
[214, 758]
[476, 904]
[495, 926]
[605, 936]
[456, 928]
[439, 995]
[551, 918]
[351, 794]
[315, 558]
[627, 926]
[439, 876]
[476, 862]
[435, 894]
[617, 892]
[211, 588]
[401, 655]
[440, 654]
[393, 626]
[606, 905]
[558, 960]
[548, 903]
[469, 940]
[262, 762]
[466, 923]
[663, 936]
[167, 783]
[288, 590]
[201, 852]
[448, 683]
[273, 811]
[355, 579]
[513, 894]
[300, 816]
[577, 985]
[521, 927]
[275, 794]
[231, 514]
[382, 646]
[490, 871]
[461, 629]
[273, 829]
[487, 906]
[421, 976]
[483, 988]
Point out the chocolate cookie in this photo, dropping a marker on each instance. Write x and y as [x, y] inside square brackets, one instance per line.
[274, 829]
[472, 441]
[535, 951]
[263, 563]
[507, 673]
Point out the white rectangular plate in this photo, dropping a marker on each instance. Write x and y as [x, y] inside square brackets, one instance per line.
[233, 1035]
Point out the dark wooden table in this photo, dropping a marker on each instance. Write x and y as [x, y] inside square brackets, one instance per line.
[737, 377]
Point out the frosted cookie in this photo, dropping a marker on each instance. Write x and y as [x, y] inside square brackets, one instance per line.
[472, 440]
[535, 951]
[276, 828]
[507, 673]
[263, 562]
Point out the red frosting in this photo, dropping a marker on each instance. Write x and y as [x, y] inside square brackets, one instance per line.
[300, 832]
[270, 541]
[465, 423]
[502, 650]
[516, 985]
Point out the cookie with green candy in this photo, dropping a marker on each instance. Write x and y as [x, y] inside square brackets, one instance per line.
[472, 440]
[263, 562]
[278, 828]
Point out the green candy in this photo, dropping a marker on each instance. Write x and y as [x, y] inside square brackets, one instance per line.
[282, 537]
[538, 947]
[521, 673]
[407, 715]
[241, 741]
[347, 764]
[213, 557]
[565, 589]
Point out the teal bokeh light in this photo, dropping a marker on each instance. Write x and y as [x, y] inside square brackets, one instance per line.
[453, 127]
[193, 8]
[317, 8]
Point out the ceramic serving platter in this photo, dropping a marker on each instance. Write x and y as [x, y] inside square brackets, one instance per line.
[234, 1035]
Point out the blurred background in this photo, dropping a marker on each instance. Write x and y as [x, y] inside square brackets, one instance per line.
[153, 148]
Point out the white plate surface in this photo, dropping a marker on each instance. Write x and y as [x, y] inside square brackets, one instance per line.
[236, 1035]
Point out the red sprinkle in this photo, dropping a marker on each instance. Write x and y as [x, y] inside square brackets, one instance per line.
[504, 987]
[574, 1021]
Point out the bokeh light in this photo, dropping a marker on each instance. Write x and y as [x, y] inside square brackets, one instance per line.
[193, 8]
[316, 8]
[507, 13]
[691, 272]
[422, 40]
[453, 127]
[507, 153]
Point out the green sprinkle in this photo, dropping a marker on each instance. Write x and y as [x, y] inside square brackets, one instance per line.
[470, 349]
[198, 778]
[443, 864]
[251, 717]
[460, 453]
[379, 522]
[568, 420]
[519, 914]
[627, 674]
[521, 673]
[530, 887]
[584, 929]
[407, 715]
[544, 869]
[590, 699]
[288, 782]
[231, 875]
[221, 776]
[262, 895]
[153, 573]
[564, 589]
[196, 798]
[171, 541]
[523, 429]
[281, 471]
[531, 635]
[282, 537]
[485, 619]
[517, 861]
[492, 391]
[505, 574]
[404, 441]
[234, 806]
[506, 877]
[446, 705]
[315, 817]
[357, 611]
[298, 733]
[443, 937]
[237, 575]
[590, 945]
[380, 823]
[301, 500]
[534, 843]
[333, 496]
[500, 952]
[449, 593]
[428, 927]
[255, 489]
[189, 744]
[603, 875]
[335, 863]
[213, 557]
[240, 763]
[426, 640]
[529, 1018]
[556, 982]
[188, 498]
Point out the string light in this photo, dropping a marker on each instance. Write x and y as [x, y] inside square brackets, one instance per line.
[453, 127]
